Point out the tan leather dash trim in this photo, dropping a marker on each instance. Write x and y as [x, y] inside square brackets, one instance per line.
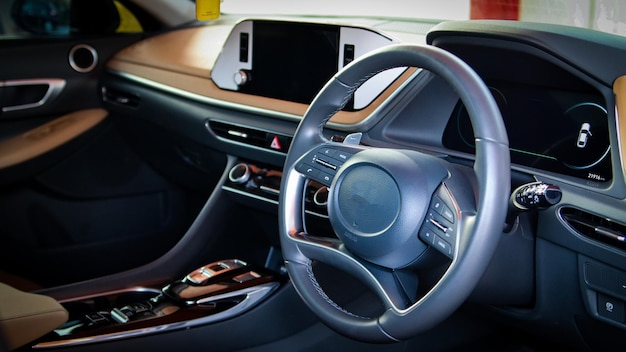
[204, 86]
[183, 59]
[46, 137]
[619, 88]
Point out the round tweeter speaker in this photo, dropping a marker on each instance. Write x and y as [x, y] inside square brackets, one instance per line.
[83, 58]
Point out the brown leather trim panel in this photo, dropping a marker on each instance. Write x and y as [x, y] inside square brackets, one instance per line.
[619, 88]
[25, 317]
[46, 137]
[183, 60]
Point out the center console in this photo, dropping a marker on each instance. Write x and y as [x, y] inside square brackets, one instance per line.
[211, 293]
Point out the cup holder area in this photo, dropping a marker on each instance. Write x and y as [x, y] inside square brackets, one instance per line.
[107, 302]
[96, 312]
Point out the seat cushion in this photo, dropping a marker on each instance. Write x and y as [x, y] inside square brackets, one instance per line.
[24, 316]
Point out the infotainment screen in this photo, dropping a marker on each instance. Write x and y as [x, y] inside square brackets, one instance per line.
[291, 61]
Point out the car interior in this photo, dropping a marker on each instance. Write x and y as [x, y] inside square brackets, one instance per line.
[262, 182]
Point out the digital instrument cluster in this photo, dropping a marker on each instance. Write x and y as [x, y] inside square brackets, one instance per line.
[549, 129]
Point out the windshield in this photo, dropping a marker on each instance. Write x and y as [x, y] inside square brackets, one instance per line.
[419, 9]
[603, 15]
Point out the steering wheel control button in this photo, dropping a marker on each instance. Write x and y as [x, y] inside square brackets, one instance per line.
[331, 158]
[437, 204]
[327, 152]
[326, 164]
[321, 164]
[447, 213]
[442, 246]
[325, 178]
[427, 235]
[342, 156]
[307, 170]
[442, 209]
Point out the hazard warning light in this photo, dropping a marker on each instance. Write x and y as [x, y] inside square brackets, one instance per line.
[276, 144]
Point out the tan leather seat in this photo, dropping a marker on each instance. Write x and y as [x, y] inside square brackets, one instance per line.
[24, 316]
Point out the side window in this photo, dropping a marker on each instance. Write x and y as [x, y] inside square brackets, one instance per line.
[63, 18]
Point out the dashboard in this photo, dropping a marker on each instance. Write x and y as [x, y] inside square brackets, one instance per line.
[559, 119]
[242, 88]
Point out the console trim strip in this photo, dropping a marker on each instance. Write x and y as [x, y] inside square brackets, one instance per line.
[253, 296]
[137, 289]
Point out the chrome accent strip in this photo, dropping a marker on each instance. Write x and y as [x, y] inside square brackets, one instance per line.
[93, 53]
[116, 292]
[311, 212]
[253, 296]
[55, 86]
[269, 190]
[261, 111]
[234, 190]
[244, 291]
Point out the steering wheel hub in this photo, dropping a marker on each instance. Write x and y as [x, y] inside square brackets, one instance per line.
[378, 200]
[368, 200]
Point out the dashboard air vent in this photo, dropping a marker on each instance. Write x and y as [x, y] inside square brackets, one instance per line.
[595, 227]
[251, 136]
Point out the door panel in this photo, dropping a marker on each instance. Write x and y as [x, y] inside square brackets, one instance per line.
[27, 64]
[87, 203]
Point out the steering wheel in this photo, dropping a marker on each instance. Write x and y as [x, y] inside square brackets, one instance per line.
[391, 208]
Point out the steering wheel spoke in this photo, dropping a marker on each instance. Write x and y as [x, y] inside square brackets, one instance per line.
[392, 287]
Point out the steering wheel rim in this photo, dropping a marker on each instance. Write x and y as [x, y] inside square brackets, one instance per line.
[479, 227]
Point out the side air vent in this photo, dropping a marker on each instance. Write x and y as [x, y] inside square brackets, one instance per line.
[595, 227]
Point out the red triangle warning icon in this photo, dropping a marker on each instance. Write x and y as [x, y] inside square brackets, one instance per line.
[276, 144]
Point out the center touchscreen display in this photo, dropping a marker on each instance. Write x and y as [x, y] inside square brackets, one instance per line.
[292, 61]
